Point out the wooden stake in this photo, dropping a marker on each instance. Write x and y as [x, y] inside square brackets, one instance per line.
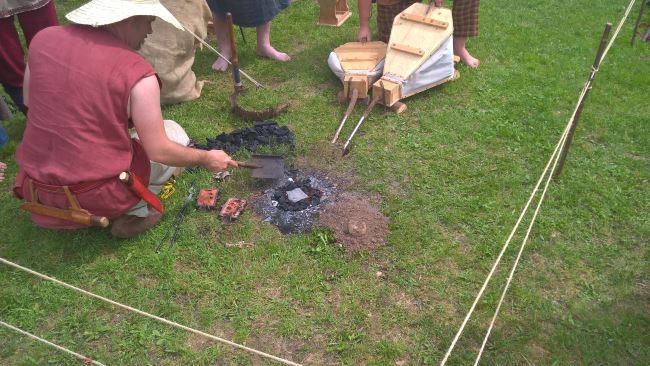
[581, 104]
[638, 21]
[234, 61]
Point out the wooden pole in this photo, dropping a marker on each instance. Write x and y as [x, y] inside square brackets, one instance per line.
[234, 61]
[581, 103]
[638, 21]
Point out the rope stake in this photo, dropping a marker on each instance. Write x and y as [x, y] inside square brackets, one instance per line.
[555, 159]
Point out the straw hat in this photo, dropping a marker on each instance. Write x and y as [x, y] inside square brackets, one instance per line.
[102, 12]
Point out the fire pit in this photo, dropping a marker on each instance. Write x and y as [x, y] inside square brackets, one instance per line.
[293, 201]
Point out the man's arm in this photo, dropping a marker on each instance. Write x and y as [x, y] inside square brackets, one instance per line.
[364, 34]
[147, 118]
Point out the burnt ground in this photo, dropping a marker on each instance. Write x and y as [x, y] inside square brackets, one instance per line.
[356, 222]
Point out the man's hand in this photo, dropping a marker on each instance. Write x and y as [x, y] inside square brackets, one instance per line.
[218, 160]
[438, 3]
[364, 34]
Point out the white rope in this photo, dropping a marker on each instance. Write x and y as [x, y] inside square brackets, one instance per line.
[162, 320]
[553, 160]
[503, 249]
[86, 359]
[594, 70]
[521, 250]
[618, 28]
[206, 44]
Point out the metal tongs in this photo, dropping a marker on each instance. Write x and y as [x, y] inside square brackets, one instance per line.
[178, 220]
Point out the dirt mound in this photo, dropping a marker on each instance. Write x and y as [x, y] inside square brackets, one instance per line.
[356, 222]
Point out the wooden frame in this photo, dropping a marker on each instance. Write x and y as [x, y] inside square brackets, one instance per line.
[333, 12]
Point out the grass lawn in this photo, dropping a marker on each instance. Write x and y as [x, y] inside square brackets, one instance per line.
[452, 172]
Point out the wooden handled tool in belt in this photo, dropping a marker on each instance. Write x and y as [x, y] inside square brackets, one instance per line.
[74, 214]
[136, 185]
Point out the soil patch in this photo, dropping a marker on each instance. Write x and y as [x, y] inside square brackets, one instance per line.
[356, 222]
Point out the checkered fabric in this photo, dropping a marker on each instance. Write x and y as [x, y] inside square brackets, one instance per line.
[464, 13]
[385, 16]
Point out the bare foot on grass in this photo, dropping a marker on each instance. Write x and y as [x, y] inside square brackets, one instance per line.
[461, 51]
[264, 47]
[3, 166]
[272, 53]
[468, 59]
[220, 64]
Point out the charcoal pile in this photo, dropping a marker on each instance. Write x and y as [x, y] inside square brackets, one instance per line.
[292, 203]
[262, 133]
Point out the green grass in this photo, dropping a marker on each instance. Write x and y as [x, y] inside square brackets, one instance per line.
[453, 173]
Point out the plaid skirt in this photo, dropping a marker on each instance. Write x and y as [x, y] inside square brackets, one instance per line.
[464, 13]
[248, 13]
[385, 16]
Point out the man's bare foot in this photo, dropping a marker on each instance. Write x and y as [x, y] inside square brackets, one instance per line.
[468, 59]
[220, 64]
[461, 51]
[3, 166]
[272, 53]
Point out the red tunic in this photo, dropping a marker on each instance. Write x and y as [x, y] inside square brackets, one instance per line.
[77, 126]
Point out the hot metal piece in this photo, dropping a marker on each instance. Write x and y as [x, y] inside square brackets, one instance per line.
[207, 199]
[232, 209]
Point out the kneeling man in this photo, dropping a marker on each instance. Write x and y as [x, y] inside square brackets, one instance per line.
[85, 87]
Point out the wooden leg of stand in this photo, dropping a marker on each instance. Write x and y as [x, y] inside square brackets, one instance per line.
[340, 97]
[398, 107]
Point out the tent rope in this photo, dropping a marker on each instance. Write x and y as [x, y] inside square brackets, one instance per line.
[552, 160]
[162, 320]
[594, 70]
[87, 360]
[505, 246]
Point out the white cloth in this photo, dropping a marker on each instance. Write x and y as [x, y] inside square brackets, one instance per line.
[335, 65]
[438, 67]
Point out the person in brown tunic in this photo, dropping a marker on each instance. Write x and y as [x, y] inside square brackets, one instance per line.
[464, 12]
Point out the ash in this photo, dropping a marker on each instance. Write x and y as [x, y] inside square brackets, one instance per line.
[290, 217]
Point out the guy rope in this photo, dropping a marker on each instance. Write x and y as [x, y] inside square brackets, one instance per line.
[87, 360]
[148, 315]
[555, 159]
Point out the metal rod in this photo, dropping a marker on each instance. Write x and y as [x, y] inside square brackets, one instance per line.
[346, 147]
[353, 102]
[178, 219]
[206, 44]
[576, 118]
[638, 21]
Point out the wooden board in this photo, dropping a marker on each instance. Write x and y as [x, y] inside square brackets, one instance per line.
[360, 55]
[359, 82]
[333, 12]
[425, 34]
[391, 92]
